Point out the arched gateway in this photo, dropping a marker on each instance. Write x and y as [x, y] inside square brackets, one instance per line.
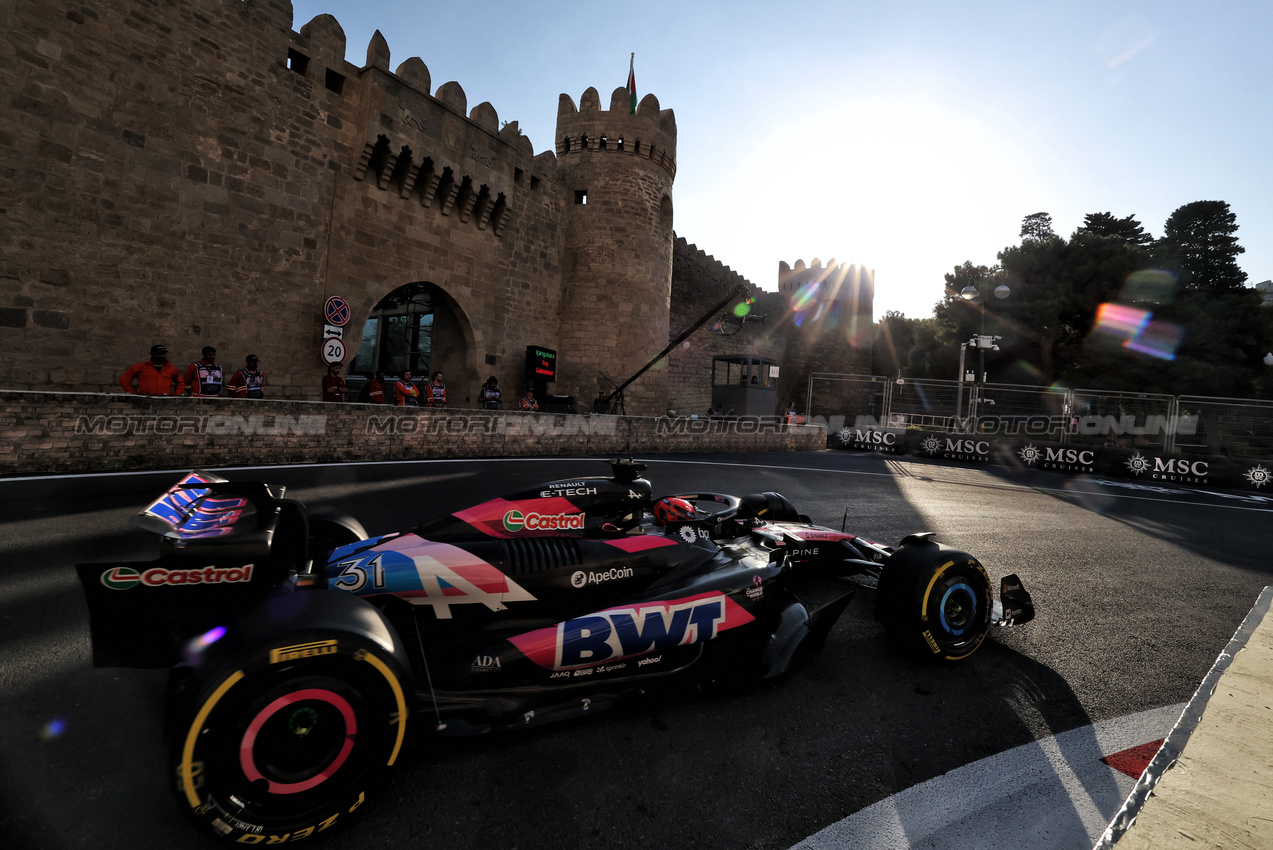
[417, 327]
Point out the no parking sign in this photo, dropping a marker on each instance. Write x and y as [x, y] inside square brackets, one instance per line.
[336, 310]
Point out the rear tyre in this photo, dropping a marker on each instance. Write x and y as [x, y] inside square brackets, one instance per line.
[330, 530]
[289, 741]
[935, 600]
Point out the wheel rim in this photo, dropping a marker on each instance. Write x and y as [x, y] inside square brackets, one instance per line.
[298, 741]
[957, 611]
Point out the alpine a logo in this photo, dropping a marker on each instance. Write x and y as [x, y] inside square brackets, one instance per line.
[122, 578]
[517, 521]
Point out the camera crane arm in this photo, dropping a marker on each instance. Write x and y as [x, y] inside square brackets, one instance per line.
[738, 291]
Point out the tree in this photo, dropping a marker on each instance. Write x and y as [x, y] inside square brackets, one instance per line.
[1037, 226]
[903, 346]
[893, 340]
[1127, 229]
[1198, 242]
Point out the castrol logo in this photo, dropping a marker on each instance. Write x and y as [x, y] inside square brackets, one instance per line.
[517, 521]
[122, 578]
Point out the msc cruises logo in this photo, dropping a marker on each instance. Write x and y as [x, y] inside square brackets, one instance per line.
[1257, 475]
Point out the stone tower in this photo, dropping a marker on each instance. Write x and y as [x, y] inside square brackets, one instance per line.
[617, 168]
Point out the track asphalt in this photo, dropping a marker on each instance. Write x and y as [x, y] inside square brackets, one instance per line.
[1110, 784]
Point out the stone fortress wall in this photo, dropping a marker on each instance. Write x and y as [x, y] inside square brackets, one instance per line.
[201, 174]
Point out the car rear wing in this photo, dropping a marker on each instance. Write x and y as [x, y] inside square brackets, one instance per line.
[224, 546]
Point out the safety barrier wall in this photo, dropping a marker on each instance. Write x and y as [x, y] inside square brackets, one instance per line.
[89, 432]
[1221, 432]
[1148, 465]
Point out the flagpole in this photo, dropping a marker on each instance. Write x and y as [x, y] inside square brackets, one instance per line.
[632, 100]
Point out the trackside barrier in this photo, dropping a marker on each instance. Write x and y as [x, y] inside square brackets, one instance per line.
[1159, 440]
[92, 432]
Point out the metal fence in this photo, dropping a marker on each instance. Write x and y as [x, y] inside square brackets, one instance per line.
[1241, 429]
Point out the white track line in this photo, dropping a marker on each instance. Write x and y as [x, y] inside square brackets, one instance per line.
[1053, 794]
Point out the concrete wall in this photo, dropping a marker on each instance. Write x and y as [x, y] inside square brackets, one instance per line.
[90, 432]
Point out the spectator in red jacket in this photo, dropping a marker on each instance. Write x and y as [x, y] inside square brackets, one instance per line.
[405, 392]
[155, 376]
[333, 384]
[435, 391]
[248, 382]
[204, 376]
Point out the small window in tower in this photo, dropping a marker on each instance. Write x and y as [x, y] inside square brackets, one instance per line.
[581, 196]
[297, 62]
[335, 82]
[519, 177]
[534, 183]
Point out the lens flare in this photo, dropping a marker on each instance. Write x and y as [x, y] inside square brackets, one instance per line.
[197, 646]
[1156, 286]
[1158, 339]
[1137, 330]
[53, 730]
[742, 309]
[1120, 320]
[805, 295]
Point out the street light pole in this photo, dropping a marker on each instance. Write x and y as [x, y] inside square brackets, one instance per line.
[972, 294]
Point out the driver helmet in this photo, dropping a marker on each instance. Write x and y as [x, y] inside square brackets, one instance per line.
[673, 510]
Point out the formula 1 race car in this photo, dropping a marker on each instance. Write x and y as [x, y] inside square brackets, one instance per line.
[299, 646]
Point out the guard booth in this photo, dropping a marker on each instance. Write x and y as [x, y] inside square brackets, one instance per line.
[745, 385]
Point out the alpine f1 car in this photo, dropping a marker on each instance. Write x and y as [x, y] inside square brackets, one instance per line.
[299, 646]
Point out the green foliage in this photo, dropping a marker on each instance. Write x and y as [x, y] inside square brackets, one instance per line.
[1203, 332]
[1037, 226]
[1198, 242]
[905, 347]
[1127, 229]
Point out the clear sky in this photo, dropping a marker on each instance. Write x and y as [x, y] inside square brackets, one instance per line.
[905, 136]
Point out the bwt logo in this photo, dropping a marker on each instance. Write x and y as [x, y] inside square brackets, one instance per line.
[618, 633]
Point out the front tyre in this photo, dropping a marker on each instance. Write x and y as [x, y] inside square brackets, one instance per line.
[287, 742]
[935, 600]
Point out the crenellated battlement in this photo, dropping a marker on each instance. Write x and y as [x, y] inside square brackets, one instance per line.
[422, 145]
[836, 282]
[690, 255]
[649, 134]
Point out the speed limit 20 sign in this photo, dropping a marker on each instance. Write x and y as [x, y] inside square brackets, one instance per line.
[333, 350]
